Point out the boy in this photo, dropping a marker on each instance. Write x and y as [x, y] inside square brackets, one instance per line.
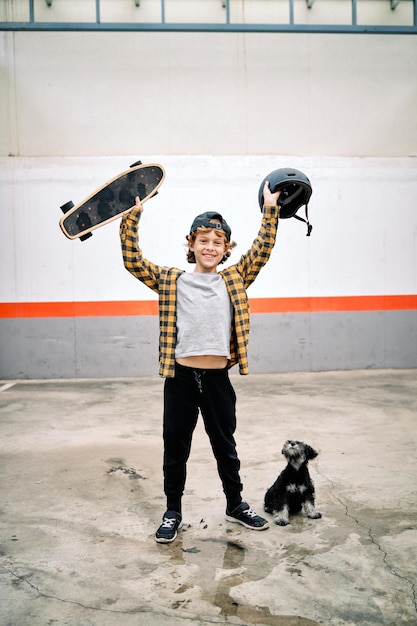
[204, 330]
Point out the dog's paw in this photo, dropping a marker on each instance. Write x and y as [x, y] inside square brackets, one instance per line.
[279, 521]
[315, 515]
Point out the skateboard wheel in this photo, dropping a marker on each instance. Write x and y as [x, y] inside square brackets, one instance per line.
[136, 163]
[86, 236]
[67, 206]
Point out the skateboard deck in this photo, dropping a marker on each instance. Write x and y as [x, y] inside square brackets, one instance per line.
[111, 200]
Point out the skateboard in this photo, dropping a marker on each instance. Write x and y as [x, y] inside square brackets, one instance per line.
[111, 200]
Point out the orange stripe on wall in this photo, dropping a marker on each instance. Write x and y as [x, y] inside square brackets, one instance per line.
[333, 303]
[79, 309]
[257, 305]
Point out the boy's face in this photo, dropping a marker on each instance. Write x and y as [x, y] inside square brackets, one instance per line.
[209, 249]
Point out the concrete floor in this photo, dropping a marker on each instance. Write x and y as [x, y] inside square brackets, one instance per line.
[81, 497]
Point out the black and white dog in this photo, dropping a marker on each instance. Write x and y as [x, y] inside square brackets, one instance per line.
[293, 490]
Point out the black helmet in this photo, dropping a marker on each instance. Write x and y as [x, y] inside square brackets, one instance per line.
[295, 190]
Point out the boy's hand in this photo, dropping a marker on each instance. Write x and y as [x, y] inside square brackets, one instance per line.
[137, 209]
[270, 199]
[138, 204]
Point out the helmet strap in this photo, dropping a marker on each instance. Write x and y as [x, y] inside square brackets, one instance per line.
[309, 226]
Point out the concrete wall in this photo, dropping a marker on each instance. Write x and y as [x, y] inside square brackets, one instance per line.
[91, 94]
[219, 111]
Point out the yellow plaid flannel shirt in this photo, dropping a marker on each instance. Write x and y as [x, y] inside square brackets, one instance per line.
[163, 280]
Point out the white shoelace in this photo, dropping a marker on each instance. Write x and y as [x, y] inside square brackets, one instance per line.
[168, 522]
[250, 513]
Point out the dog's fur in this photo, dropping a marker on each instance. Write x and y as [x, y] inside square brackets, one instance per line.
[293, 490]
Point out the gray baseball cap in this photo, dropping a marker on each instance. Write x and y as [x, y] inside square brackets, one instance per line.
[211, 219]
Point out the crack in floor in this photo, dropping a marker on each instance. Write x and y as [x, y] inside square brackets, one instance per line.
[202, 619]
[390, 568]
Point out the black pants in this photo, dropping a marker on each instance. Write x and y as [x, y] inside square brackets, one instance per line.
[210, 391]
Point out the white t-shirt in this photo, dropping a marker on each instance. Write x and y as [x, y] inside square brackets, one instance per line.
[204, 315]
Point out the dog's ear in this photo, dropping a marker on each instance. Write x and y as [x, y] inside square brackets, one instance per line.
[310, 453]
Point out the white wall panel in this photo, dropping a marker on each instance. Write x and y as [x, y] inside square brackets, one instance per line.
[363, 242]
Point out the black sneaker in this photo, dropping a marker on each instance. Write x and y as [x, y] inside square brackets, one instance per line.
[246, 516]
[167, 531]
